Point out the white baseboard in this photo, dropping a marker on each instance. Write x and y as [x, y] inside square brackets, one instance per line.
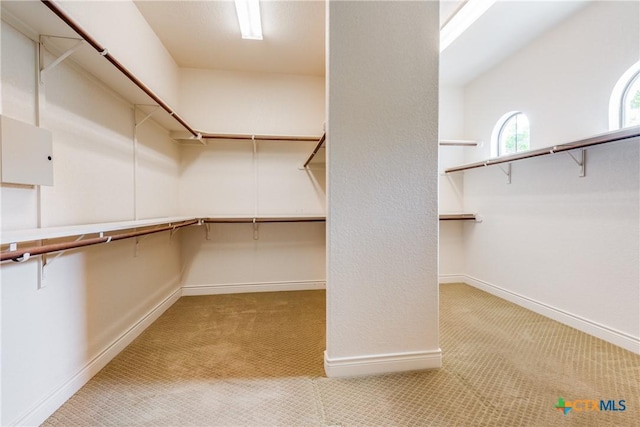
[236, 288]
[381, 364]
[621, 339]
[47, 406]
[452, 278]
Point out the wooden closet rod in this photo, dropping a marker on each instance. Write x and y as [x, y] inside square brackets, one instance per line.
[258, 137]
[56, 247]
[315, 150]
[55, 8]
[260, 220]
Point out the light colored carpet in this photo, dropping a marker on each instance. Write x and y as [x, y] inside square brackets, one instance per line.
[256, 360]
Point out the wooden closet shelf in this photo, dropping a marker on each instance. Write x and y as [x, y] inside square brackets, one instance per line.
[34, 234]
[458, 217]
[605, 138]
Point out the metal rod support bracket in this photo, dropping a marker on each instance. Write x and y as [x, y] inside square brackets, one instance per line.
[23, 258]
[148, 116]
[139, 240]
[315, 150]
[46, 261]
[255, 229]
[136, 247]
[580, 161]
[59, 59]
[198, 137]
[171, 233]
[507, 172]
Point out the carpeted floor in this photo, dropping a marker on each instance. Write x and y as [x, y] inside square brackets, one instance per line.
[257, 360]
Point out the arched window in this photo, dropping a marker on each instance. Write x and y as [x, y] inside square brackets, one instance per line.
[624, 105]
[511, 134]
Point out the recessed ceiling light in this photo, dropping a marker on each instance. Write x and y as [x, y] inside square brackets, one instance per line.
[249, 18]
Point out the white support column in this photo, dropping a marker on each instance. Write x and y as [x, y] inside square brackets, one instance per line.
[382, 181]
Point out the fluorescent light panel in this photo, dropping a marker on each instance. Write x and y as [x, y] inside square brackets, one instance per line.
[249, 18]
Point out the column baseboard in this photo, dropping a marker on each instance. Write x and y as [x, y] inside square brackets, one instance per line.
[381, 364]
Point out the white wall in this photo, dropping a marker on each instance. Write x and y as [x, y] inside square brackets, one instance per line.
[157, 167]
[18, 98]
[122, 30]
[450, 187]
[252, 103]
[218, 180]
[451, 126]
[382, 219]
[56, 337]
[284, 257]
[224, 178]
[565, 246]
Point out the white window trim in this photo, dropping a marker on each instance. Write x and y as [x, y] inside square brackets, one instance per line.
[615, 102]
[495, 135]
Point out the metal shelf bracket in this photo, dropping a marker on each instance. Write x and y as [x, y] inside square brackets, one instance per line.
[148, 116]
[507, 172]
[46, 261]
[580, 161]
[173, 231]
[44, 69]
[255, 229]
[139, 240]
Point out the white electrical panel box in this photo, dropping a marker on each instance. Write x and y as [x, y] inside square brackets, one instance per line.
[27, 153]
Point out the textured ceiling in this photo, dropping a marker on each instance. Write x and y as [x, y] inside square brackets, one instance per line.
[205, 34]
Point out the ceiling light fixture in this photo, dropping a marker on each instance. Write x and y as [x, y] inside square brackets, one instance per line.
[249, 18]
[462, 20]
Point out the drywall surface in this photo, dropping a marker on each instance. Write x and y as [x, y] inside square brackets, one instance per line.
[91, 139]
[59, 330]
[450, 187]
[18, 103]
[565, 246]
[279, 256]
[157, 166]
[252, 103]
[120, 27]
[382, 160]
[451, 127]
[226, 178]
